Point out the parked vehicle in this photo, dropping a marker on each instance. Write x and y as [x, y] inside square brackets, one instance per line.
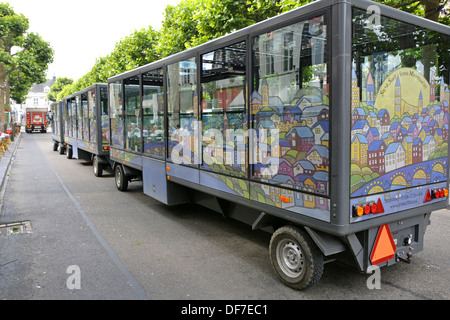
[36, 119]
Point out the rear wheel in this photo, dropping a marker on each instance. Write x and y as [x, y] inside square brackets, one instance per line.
[295, 257]
[98, 167]
[120, 178]
[55, 146]
[69, 152]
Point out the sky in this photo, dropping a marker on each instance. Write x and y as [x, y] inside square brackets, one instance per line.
[83, 30]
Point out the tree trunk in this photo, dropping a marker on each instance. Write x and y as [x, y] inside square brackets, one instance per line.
[3, 89]
[429, 52]
[432, 9]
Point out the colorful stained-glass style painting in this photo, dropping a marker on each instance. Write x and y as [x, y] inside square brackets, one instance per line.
[400, 138]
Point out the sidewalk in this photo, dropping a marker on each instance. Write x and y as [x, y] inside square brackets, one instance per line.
[49, 248]
[5, 163]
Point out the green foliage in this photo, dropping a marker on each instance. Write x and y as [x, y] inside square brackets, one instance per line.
[24, 57]
[193, 22]
[179, 31]
[57, 87]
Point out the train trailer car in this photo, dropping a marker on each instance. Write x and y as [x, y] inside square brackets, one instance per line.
[327, 126]
[57, 126]
[86, 126]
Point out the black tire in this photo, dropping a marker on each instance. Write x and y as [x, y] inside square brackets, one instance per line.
[120, 178]
[98, 167]
[55, 146]
[61, 149]
[295, 257]
[69, 152]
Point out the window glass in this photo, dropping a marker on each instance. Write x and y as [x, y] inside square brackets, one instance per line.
[116, 114]
[153, 113]
[290, 106]
[224, 110]
[182, 111]
[55, 122]
[85, 117]
[75, 112]
[68, 118]
[132, 114]
[79, 116]
[104, 114]
[400, 98]
[92, 122]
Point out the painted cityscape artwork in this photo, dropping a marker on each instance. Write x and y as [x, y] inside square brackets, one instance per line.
[400, 138]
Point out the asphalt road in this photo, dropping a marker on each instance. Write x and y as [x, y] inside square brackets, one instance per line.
[90, 241]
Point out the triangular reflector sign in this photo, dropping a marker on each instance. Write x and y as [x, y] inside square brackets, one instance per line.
[384, 247]
[380, 208]
[427, 196]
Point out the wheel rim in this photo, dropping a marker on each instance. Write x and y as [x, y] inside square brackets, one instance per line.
[290, 258]
[118, 177]
[95, 165]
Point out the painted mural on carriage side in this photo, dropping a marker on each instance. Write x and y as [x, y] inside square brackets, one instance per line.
[399, 135]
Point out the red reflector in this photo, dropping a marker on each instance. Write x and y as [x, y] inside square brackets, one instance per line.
[366, 209]
[436, 194]
[380, 206]
[427, 196]
[384, 247]
[374, 208]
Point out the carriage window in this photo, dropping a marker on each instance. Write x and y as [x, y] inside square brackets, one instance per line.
[224, 110]
[153, 113]
[104, 114]
[84, 117]
[67, 118]
[289, 106]
[92, 123]
[132, 114]
[116, 114]
[400, 99]
[78, 117]
[182, 112]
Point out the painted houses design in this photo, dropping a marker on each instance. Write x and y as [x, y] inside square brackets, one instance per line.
[400, 138]
[300, 150]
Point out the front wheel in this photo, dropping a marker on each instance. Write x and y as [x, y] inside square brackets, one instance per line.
[120, 178]
[295, 257]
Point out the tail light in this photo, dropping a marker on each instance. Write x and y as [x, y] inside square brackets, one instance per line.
[435, 194]
[368, 208]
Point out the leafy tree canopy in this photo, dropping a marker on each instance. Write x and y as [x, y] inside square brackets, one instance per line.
[24, 58]
[193, 22]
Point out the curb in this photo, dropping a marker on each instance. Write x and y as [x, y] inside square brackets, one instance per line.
[5, 161]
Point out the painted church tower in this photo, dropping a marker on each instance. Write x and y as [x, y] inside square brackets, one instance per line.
[398, 97]
[370, 91]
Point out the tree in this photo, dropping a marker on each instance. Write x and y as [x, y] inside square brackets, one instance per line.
[24, 58]
[193, 22]
[131, 52]
[198, 21]
[57, 87]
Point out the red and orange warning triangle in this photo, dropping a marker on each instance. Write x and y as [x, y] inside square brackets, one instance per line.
[384, 247]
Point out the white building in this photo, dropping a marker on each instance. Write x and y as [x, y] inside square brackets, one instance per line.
[394, 156]
[37, 98]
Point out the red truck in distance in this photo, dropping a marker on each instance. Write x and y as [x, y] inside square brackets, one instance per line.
[36, 120]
